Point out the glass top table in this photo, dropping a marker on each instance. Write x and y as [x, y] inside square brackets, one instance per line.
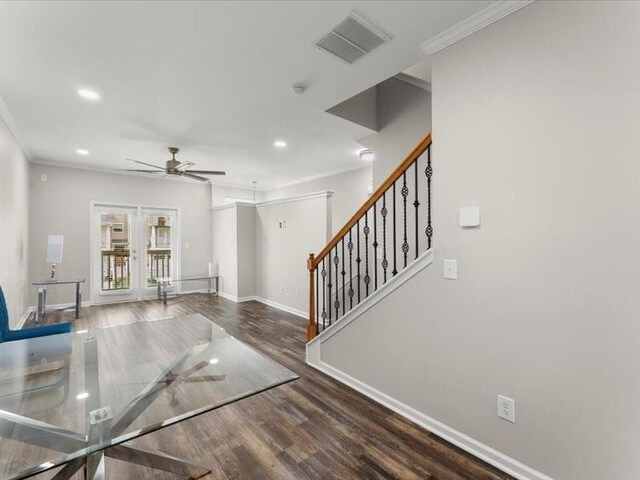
[72, 399]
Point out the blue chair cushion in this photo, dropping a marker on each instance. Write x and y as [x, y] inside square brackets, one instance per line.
[37, 331]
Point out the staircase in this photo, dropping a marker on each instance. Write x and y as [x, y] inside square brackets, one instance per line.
[390, 230]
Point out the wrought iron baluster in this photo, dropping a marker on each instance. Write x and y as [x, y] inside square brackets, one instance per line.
[317, 299]
[429, 172]
[416, 204]
[375, 246]
[367, 278]
[336, 262]
[385, 262]
[351, 292]
[343, 273]
[405, 193]
[324, 297]
[358, 260]
[329, 286]
[394, 272]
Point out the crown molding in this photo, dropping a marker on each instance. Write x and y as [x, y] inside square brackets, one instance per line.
[475, 22]
[277, 201]
[11, 125]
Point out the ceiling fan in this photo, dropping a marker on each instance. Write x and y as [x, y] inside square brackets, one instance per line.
[174, 167]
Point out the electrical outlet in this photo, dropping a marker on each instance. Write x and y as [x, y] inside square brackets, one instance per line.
[297, 293]
[450, 269]
[281, 289]
[507, 408]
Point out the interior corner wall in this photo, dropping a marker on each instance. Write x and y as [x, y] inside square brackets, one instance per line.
[246, 246]
[224, 227]
[536, 121]
[285, 235]
[404, 118]
[14, 214]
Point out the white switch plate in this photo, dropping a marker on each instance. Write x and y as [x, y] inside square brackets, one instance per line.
[450, 269]
[43, 177]
[507, 408]
[470, 217]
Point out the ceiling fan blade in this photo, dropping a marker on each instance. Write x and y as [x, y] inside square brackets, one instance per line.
[196, 177]
[147, 164]
[184, 165]
[208, 172]
[144, 171]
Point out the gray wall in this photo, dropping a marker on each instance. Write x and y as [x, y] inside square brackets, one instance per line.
[62, 205]
[350, 192]
[14, 210]
[246, 235]
[536, 120]
[224, 226]
[281, 253]
[404, 118]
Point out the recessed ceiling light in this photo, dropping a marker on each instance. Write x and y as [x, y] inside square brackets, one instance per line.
[89, 94]
[82, 151]
[280, 143]
[213, 361]
[82, 396]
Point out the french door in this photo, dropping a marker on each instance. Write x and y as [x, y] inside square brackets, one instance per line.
[132, 248]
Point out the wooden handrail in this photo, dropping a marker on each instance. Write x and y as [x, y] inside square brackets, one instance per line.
[395, 175]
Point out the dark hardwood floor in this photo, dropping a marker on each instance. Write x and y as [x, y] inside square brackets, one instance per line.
[312, 428]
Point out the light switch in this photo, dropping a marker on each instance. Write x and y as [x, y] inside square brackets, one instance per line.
[451, 269]
[470, 217]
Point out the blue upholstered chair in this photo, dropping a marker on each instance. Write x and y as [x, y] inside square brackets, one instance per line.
[7, 335]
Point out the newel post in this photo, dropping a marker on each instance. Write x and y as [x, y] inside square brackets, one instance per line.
[312, 328]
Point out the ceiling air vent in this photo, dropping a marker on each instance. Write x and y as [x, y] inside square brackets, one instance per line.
[352, 39]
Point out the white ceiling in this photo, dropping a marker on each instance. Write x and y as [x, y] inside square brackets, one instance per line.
[211, 78]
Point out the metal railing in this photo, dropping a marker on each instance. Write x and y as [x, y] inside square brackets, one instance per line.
[375, 244]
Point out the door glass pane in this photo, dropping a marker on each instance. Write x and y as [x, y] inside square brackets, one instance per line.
[159, 242]
[115, 239]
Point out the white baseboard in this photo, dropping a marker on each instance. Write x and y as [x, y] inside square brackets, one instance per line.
[466, 443]
[25, 316]
[266, 301]
[282, 307]
[233, 298]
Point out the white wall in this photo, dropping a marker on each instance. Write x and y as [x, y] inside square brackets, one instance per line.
[349, 188]
[62, 205]
[14, 210]
[536, 120]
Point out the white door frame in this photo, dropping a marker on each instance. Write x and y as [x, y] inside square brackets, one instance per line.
[142, 291]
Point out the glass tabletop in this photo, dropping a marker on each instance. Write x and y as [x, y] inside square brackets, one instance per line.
[67, 396]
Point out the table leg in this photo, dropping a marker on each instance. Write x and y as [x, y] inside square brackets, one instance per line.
[40, 304]
[217, 285]
[164, 293]
[209, 289]
[159, 285]
[149, 457]
[78, 299]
